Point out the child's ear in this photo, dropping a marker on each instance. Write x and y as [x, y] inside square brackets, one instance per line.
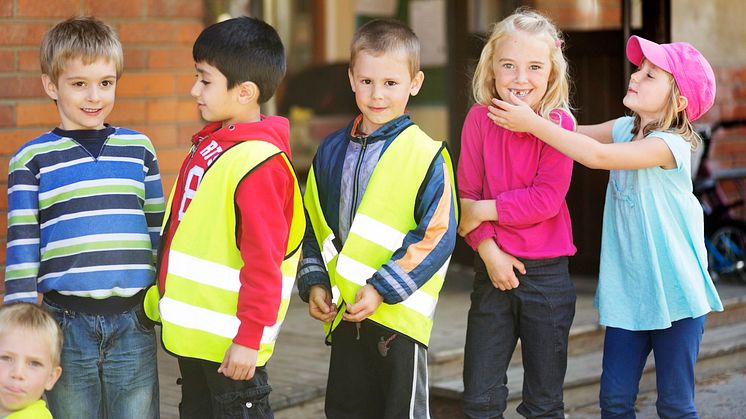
[681, 103]
[416, 85]
[352, 79]
[53, 377]
[248, 92]
[49, 86]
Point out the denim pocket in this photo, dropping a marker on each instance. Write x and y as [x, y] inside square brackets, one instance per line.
[57, 313]
[141, 319]
[246, 403]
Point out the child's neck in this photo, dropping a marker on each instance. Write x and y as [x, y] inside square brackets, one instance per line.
[247, 116]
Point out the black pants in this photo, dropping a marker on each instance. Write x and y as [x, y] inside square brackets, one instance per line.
[539, 313]
[207, 394]
[375, 373]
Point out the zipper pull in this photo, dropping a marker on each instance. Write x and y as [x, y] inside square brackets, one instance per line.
[357, 326]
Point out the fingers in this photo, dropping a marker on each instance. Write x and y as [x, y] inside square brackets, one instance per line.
[519, 266]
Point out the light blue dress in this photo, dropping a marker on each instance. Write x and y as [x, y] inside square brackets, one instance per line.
[653, 257]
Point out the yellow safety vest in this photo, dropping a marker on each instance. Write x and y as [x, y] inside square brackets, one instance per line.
[198, 309]
[385, 215]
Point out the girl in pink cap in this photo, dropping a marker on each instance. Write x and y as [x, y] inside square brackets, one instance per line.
[654, 290]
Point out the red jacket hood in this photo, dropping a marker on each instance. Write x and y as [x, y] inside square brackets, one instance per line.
[272, 129]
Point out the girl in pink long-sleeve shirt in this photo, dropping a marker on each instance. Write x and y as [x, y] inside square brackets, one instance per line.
[512, 187]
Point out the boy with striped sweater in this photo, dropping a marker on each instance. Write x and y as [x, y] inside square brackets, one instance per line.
[85, 204]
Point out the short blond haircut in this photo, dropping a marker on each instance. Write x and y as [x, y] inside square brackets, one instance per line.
[34, 319]
[527, 21]
[380, 36]
[82, 37]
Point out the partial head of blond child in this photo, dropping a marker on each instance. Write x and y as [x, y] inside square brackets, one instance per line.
[30, 347]
[81, 61]
[529, 24]
[384, 71]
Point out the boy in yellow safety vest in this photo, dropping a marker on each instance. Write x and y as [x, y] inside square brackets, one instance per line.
[382, 214]
[232, 230]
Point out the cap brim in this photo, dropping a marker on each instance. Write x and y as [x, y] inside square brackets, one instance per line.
[639, 48]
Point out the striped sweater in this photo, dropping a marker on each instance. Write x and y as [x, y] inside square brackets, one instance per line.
[79, 225]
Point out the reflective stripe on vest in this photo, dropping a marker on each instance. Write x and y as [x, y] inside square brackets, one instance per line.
[198, 310]
[385, 215]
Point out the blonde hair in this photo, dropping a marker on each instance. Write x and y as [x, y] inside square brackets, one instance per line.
[82, 37]
[383, 36]
[528, 21]
[673, 120]
[35, 319]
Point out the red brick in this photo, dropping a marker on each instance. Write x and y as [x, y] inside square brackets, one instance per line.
[118, 8]
[174, 8]
[171, 110]
[46, 8]
[11, 140]
[146, 84]
[3, 201]
[155, 32]
[12, 87]
[177, 58]
[184, 83]
[22, 33]
[6, 116]
[162, 136]
[4, 175]
[167, 179]
[189, 33]
[7, 61]
[6, 8]
[135, 59]
[42, 113]
[187, 130]
[128, 112]
[28, 60]
[169, 160]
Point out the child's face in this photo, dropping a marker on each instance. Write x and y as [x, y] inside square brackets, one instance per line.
[214, 101]
[84, 93]
[382, 85]
[26, 368]
[522, 66]
[649, 91]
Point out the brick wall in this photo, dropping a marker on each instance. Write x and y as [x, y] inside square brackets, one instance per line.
[152, 95]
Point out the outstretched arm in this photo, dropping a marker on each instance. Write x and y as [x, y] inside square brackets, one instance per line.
[638, 154]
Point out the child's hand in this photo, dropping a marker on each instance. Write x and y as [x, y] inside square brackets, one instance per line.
[473, 213]
[500, 265]
[514, 114]
[367, 301]
[320, 305]
[239, 362]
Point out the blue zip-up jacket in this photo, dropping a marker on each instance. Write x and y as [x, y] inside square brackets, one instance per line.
[343, 166]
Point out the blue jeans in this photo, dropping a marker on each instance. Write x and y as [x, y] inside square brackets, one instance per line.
[539, 312]
[108, 366]
[675, 350]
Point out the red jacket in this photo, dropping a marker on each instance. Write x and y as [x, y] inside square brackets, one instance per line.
[264, 200]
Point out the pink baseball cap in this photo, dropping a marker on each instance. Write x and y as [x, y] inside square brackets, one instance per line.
[690, 69]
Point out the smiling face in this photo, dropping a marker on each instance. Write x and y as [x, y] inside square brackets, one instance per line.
[521, 66]
[649, 91]
[382, 84]
[84, 93]
[26, 368]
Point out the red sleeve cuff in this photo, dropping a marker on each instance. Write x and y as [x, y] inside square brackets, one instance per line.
[249, 334]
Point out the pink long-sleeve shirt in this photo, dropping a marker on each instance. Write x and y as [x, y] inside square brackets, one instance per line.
[528, 181]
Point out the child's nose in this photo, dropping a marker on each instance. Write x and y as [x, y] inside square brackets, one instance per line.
[195, 89]
[93, 94]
